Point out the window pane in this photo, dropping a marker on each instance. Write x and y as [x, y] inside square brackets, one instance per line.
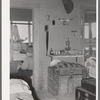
[86, 30]
[20, 22]
[31, 33]
[93, 28]
[23, 31]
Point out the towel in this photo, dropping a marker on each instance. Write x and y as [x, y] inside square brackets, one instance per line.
[54, 62]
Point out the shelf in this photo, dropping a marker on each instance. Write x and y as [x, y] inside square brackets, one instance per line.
[69, 58]
[65, 55]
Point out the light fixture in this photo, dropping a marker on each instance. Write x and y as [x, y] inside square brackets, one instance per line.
[74, 32]
[65, 20]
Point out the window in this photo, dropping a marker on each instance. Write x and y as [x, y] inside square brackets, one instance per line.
[21, 31]
[89, 27]
[24, 29]
[89, 24]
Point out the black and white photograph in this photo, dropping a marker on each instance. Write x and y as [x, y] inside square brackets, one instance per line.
[52, 50]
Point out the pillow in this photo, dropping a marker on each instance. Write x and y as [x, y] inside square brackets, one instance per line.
[90, 62]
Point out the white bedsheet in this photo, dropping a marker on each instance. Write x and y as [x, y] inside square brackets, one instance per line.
[19, 90]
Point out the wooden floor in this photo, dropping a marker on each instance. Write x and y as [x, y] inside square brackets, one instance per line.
[45, 95]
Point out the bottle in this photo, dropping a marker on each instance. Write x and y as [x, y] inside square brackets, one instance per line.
[51, 52]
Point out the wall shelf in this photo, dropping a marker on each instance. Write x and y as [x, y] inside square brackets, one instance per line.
[65, 55]
[69, 58]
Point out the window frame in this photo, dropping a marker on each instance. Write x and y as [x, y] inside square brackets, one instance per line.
[82, 20]
[29, 23]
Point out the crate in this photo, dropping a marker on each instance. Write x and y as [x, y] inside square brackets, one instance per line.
[66, 68]
[64, 85]
[63, 79]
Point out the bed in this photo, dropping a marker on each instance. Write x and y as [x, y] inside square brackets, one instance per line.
[21, 88]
